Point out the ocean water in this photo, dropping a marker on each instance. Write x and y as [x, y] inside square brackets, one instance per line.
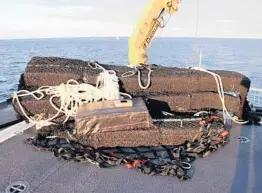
[241, 55]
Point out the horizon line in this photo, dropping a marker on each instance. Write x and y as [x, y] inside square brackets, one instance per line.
[81, 37]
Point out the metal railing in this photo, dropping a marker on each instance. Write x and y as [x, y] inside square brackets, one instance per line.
[255, 97]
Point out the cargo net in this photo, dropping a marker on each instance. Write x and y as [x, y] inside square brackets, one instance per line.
[163, 160]
[183, 121]
[169, 124]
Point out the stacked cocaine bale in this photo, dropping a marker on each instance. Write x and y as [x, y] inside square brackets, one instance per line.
[172, 89]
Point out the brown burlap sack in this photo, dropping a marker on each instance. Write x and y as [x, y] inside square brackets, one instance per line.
[177, 102]
[163, 134]
[166, 134]
[42, 71]
[198, 101]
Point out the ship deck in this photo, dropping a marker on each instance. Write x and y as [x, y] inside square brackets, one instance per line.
[235, 168]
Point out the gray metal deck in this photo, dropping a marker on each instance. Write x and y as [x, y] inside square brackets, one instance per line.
[236, 168]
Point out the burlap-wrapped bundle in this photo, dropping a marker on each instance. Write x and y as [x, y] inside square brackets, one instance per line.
[156, 104]
[154, 136]
[135, 138]
[42, 71]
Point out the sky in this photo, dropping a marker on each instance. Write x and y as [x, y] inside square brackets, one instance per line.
[104, 18]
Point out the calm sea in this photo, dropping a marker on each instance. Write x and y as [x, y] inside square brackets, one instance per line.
[241, 55]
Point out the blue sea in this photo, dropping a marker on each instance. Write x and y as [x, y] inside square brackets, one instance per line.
[241, 55]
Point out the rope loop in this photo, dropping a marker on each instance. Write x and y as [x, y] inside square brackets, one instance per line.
[129, 73]
[148, 78]
[137, 71]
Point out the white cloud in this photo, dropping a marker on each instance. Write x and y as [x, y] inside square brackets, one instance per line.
[177, 28]
[225, 21]
[228, 31]
[77, 18]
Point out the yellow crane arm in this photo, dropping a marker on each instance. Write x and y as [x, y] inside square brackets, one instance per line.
[150, 21]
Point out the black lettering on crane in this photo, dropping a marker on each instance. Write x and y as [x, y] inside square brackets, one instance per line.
[151, 35]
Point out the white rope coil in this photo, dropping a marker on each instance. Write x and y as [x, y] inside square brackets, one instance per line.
[71, 95]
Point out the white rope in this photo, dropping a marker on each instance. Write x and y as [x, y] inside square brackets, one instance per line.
[133, 72]
[148, 79]
[220, 90]
[71, 95]
[199, 113]
[176, 120]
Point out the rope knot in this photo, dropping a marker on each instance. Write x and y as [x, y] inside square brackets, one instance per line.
[40, 122]
[107, 82]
